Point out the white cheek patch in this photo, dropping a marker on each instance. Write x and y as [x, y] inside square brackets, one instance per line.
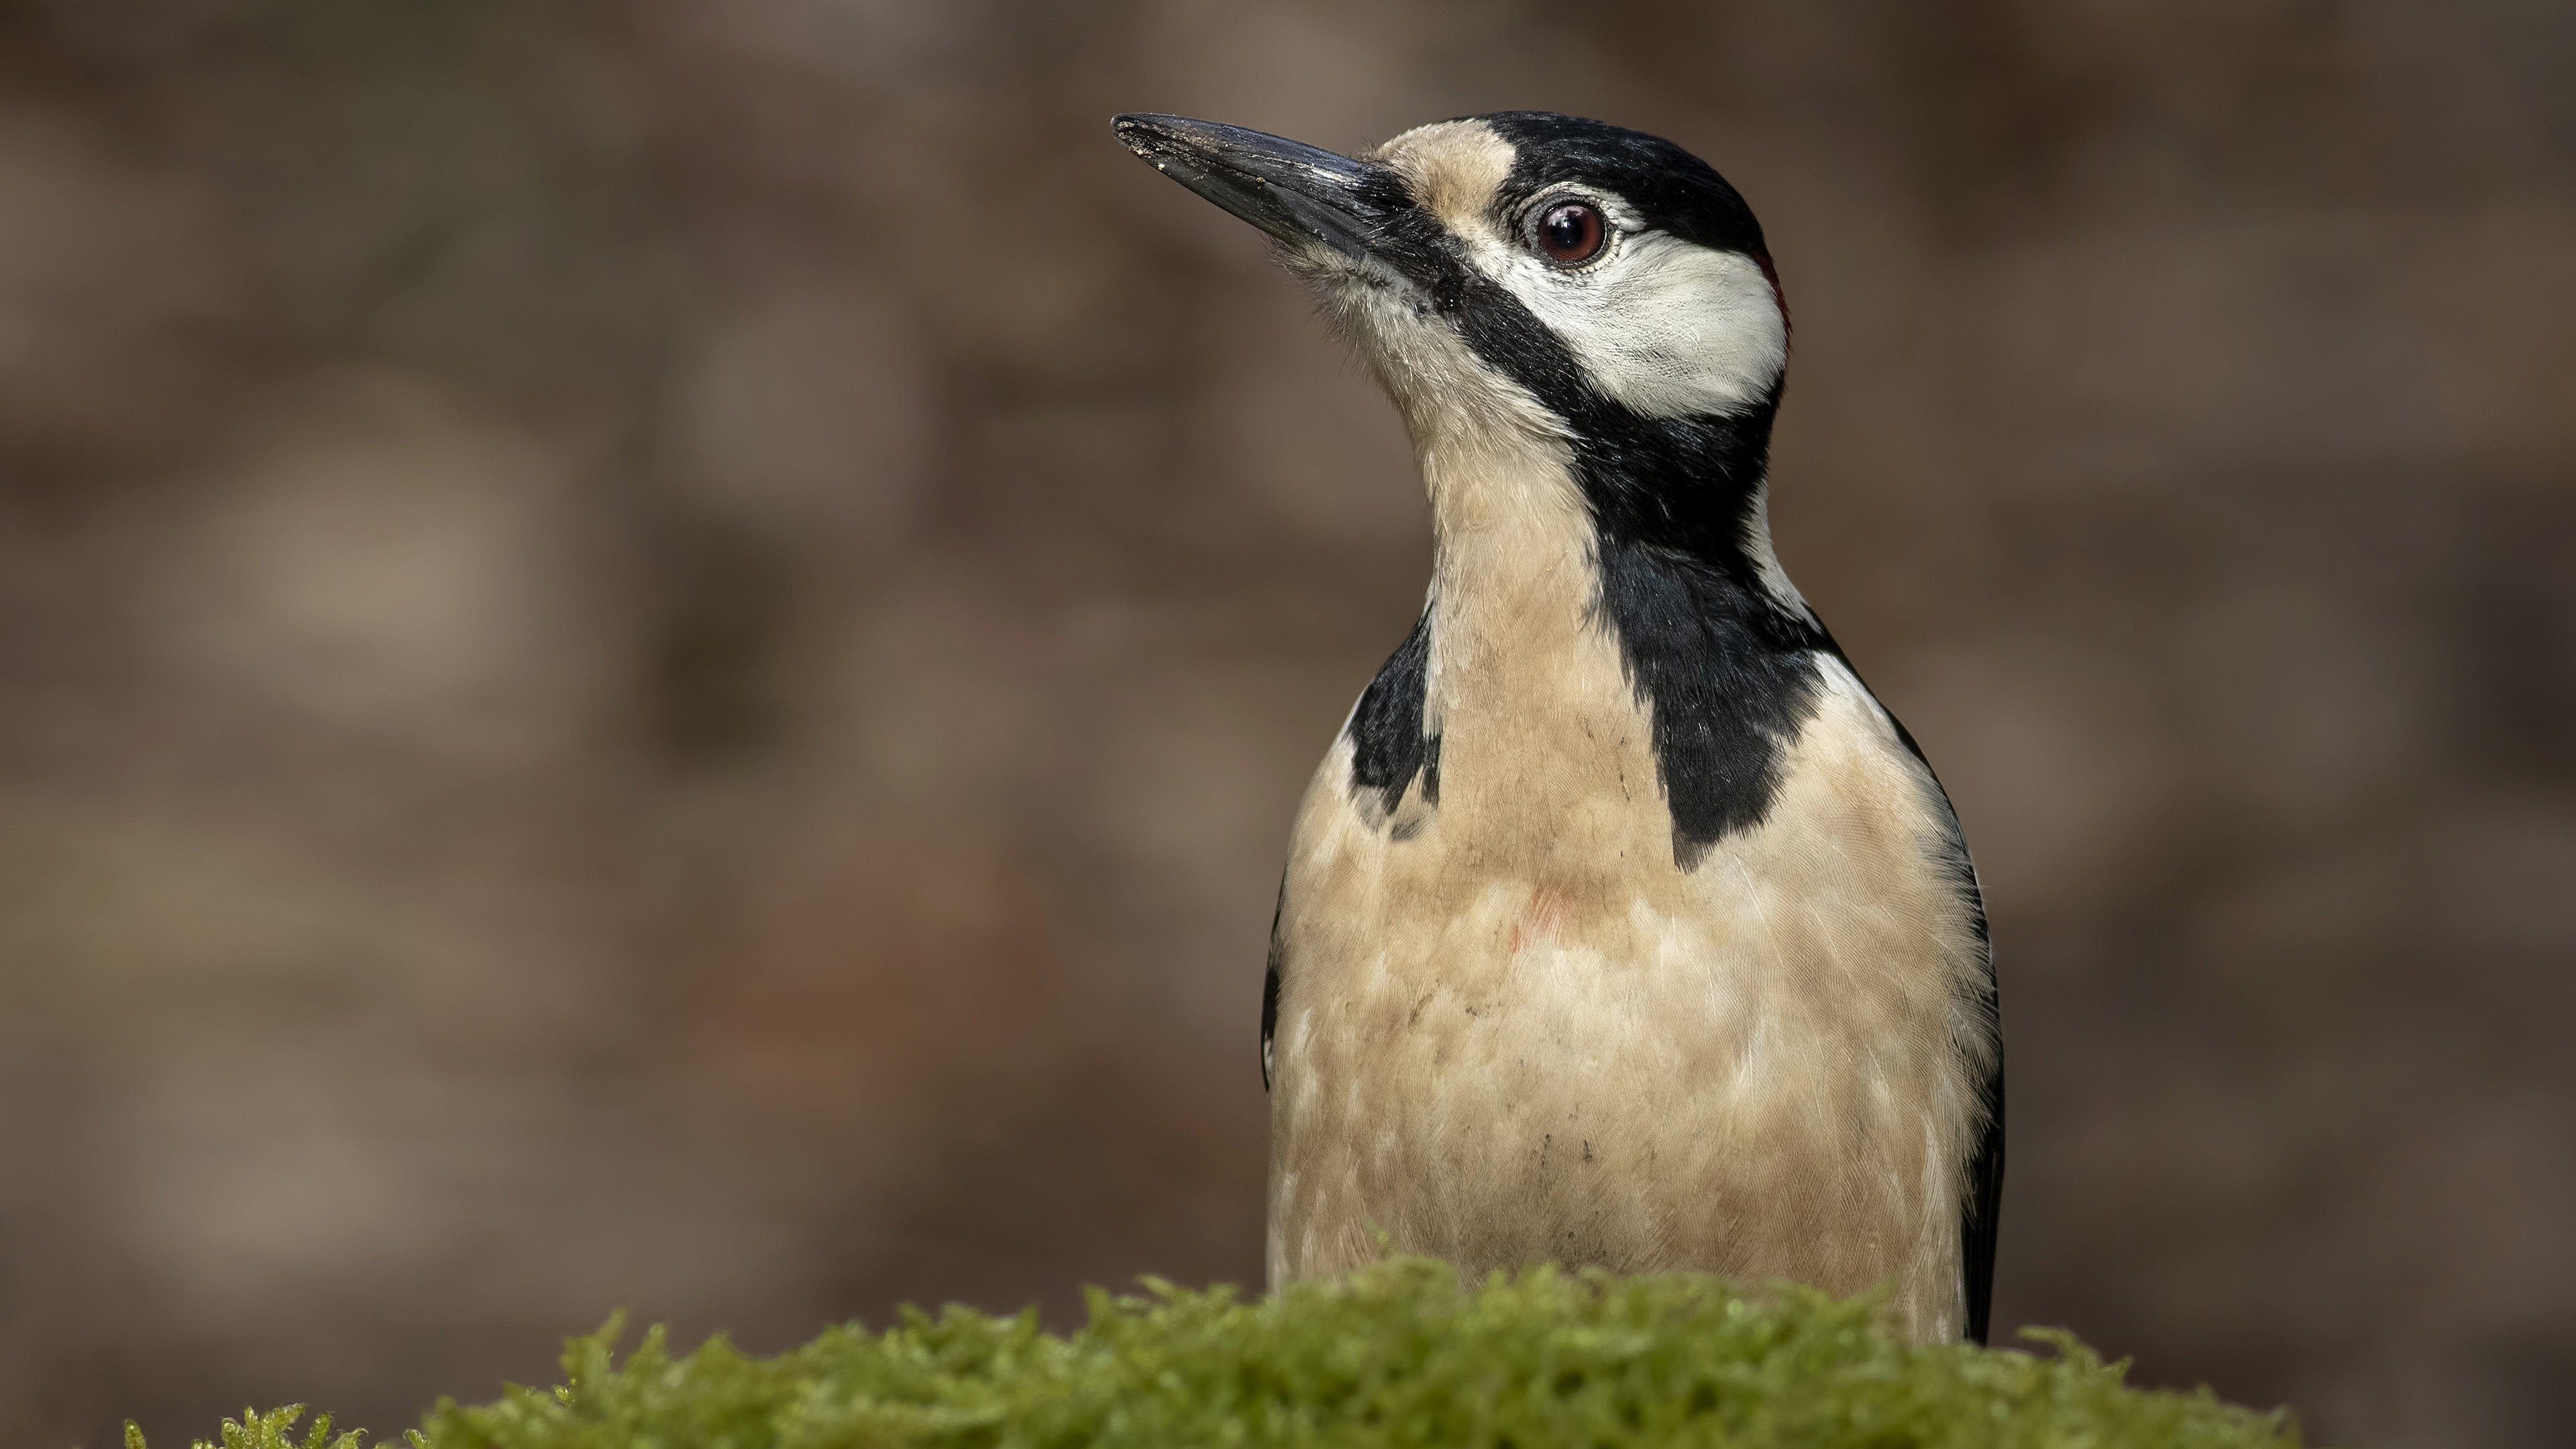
[1667, 327]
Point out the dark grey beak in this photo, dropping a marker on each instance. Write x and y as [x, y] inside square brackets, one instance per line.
[1297, 193]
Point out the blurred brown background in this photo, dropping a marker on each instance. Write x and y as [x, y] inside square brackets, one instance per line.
[658, 654]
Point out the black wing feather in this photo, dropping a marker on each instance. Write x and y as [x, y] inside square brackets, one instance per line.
[1985, 1204]
[1270, 987]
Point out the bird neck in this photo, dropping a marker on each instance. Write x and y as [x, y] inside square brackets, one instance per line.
[1515, 573]
[1524, 696]
[1530, 528]
[1536, 609]
[1604, 600]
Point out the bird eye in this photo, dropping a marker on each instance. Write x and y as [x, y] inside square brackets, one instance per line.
[1569, 233]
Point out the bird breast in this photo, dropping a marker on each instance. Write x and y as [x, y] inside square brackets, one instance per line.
[1513, 1028]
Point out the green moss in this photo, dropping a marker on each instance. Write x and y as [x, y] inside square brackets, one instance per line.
[1398, 1355]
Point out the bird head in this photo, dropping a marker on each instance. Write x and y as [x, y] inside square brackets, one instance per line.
[1529, 273]
[1568, 256]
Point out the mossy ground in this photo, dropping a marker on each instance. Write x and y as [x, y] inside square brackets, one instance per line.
[1398, 1355]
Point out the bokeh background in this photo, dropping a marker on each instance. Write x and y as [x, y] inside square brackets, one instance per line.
[657, 654]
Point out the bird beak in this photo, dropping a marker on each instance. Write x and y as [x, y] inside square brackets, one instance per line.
[1299, 194]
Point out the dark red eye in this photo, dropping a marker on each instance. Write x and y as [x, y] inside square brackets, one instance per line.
[1570, 232]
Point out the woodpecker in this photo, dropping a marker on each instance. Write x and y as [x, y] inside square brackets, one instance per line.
[1621, 924]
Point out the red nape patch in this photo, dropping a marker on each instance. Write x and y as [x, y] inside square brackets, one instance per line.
[1771, 274]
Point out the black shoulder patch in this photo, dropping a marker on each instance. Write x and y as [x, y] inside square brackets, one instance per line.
[1725, 702]
[1387, 744]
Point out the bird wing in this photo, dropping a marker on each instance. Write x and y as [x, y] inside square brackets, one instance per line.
[1981, 1209]
[1270, 986]
[1984, 1203]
